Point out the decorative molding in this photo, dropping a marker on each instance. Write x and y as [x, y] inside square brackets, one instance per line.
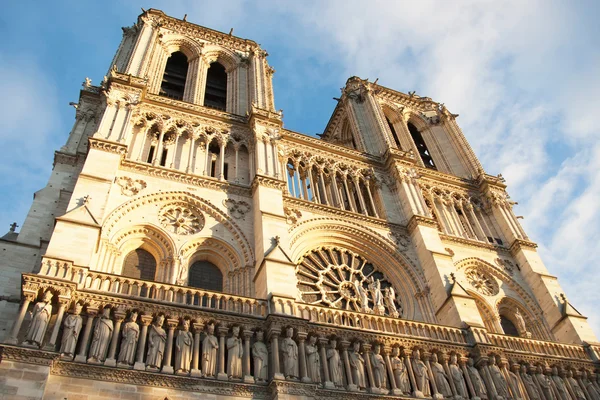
[181, 218]
[237, 209]
[129, 186]
[481, 281]
[27, 355]
[267, 181]
[472, 243]
[107, 146]
[420, 220]
[292, 215]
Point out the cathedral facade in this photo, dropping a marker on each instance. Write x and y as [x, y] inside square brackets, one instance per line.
[188, 246]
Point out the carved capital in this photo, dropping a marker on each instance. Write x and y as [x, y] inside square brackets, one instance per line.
[172, 323]
[146, 319]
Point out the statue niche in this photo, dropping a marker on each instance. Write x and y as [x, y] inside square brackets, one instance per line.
[338, 278]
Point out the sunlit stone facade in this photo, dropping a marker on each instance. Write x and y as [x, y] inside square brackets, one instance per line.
[187, 245]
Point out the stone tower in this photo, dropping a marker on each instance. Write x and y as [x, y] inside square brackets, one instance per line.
[188, 242]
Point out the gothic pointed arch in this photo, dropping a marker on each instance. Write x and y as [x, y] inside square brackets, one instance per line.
[514, 312]
[393, 118]
[380, 252]
[487, 312]
[227, 58]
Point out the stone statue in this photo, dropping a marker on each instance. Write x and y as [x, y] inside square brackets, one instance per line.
[498, 378]
[357, 365]
[157, 338]
[363, 296]
[441, 379]
[378, 363]
[520, 323]
[130, 334]
[457, 377]
[545, 384]
[375, 289]
[235, 351]
[289, 348]
[400, 371]
[575, 386]
[478, 385]
[313, 361]
[514, 379]
[41, 313]
[530, 385]
[389, 300]
[260, 353]
[559, 383]
[593, 392]
[71, 328]
[335, 364]
[184, 345]
[210, 345]
[101, 339]
[421, 374]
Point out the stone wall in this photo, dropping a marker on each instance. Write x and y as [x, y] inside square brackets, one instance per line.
[21, 381]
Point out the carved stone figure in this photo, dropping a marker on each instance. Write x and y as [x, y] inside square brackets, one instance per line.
[41, 313]
[515, 381]
[313, 361]
[545, 384]
[421, 374]
[157, 338]
[457, 377]
[478, 385]
[289, 348]
[441, 379]
[130, 333]
[71, 328]
[559, 383]
[593, 392]
[575, 386]
[260, 353]
[363, 296]
[376, 295]
[184, 345]
[335, 364]
[357, 365]
[400, 371]
[235, 351]
[498, 378]
[210, 345]
[101, 339]
[378, 363]
[530, 385]
[520, 323]
[389, 300]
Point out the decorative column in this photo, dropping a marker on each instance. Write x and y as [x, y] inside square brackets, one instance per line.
[478, 228]
[141, 347]
[348, 196]
[324, 186]
[359, 194]
[302, 356]
[351, 386]
[172, 163]
[92, 311]
[29, 295]
[222, 332]
[367, 353]
[463, 366]
[63, 301]
[411, 374]
[125, 132]
[247, 334]
[274, 338]
[434, 389]
[195, 372]
[237, 162]
[159, 148]
[119, 317]
[368, 185]
[167, 367]
[393, 384]
[222, 160]
[336, 201]
[327, 378]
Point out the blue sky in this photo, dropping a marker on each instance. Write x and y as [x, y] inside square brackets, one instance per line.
[523, 75]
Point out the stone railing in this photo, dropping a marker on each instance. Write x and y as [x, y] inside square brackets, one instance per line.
[88, 280]
[519, 344]
[379, 323]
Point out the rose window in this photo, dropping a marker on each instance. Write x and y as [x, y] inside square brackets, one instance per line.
[338, 278]
[181, 219]
[483, 282]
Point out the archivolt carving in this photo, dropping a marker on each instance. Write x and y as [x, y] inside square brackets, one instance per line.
[185, 44]
[159, 238]
[221, 55]
[383, 252]
[191, 201]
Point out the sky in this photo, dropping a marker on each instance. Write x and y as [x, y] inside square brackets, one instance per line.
[524, 76]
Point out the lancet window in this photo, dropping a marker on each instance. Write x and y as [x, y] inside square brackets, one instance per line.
[215, 95]
[394, 134]
[174, 77]
[421, 146]
[139, 264]
[205, 275]
[339, 278]
[333, 186]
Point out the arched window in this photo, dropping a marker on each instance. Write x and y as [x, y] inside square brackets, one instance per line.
[139, 264]
[347, 138]
[421, 146]
[215, 95]
[508, 327]
[205, 275]
[173, 83]
[394, 134]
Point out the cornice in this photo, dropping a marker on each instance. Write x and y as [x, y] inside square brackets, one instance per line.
[107, 146]
[520, 244]
[419, 220]
[472, 243]
[182, 177]
[30, 356]
[262, 180]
